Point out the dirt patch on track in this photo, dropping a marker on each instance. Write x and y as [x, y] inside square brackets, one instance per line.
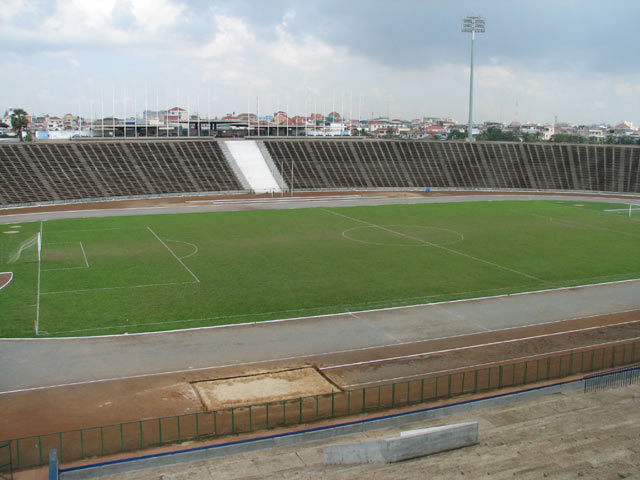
[107, 402]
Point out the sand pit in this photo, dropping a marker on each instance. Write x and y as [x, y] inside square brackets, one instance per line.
[262, 388]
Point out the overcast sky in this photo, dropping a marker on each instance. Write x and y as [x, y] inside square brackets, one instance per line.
[577, 60]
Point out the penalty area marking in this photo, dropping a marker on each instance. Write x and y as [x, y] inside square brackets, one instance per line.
[84, 255]
[174, 255]
[195, 247]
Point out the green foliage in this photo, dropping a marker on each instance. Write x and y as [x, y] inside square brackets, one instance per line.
[532, 137]
[456, 135]
[19, 121]
[566, 138]
[114, 275]
[494, 134]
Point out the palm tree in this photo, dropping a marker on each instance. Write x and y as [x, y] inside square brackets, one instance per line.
[19, 121]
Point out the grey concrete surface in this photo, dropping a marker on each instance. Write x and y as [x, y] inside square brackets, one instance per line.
[32, 363]
[283, 202]
[185, 456]
[410, 444]
[564, 435]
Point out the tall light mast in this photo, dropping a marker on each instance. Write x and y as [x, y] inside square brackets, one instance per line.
[472, 25]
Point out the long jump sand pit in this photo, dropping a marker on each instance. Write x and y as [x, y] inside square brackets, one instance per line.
[262, 388]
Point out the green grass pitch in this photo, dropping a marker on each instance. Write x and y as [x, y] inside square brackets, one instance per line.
[105, 276]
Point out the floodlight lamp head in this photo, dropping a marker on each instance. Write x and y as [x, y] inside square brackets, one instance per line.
[473, 24]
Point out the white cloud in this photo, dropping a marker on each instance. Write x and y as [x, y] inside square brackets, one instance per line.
[305, 53]
[156, 14]
[232, 38]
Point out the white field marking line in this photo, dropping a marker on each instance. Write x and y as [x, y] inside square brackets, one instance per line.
[483, 365]
[117, 288]
[282, 320]
[86, 262]
[84, 254]
[174, 255]
[10, 278]
[186, 243]
[472, 347]
[438, 246]
[37, 322]
[625, 210]
[460, 239]
[184, 370]
[91, 230]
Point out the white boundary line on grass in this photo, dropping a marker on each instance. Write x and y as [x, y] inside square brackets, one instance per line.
[174, 255]
[283, 359]
[37, 320]
[86, 262]
[310, 317]
[115, 288]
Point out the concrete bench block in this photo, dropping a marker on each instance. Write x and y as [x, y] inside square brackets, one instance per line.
[410, 444]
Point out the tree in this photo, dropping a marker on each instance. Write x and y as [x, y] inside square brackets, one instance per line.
[19, 121]
[532, 137]
[566, 138]
[456, 135]
[494, 134]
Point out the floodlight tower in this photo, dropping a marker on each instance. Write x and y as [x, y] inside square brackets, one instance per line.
[472, 25]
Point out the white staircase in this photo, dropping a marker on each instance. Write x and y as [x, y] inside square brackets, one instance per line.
[253, 166]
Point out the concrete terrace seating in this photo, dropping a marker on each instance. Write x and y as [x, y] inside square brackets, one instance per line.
[344, 164]
[48, 172]
[66, 171]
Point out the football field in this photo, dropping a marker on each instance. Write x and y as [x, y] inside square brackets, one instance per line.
[103, 276]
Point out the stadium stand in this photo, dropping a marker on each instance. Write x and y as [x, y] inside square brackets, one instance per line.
[344, 164]
[53, 172]
[69, 171]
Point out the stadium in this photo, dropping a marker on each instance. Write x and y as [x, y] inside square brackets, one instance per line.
[201, 290]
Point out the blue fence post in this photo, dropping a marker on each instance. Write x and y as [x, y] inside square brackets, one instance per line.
[54, 469]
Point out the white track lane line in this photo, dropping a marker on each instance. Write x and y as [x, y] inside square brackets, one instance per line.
[282, 359]
[472, 347]
[484, 365]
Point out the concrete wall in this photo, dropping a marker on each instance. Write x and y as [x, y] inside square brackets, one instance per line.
[410, 444]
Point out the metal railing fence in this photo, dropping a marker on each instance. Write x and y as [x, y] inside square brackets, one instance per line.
[111, 439]
[622, 377]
